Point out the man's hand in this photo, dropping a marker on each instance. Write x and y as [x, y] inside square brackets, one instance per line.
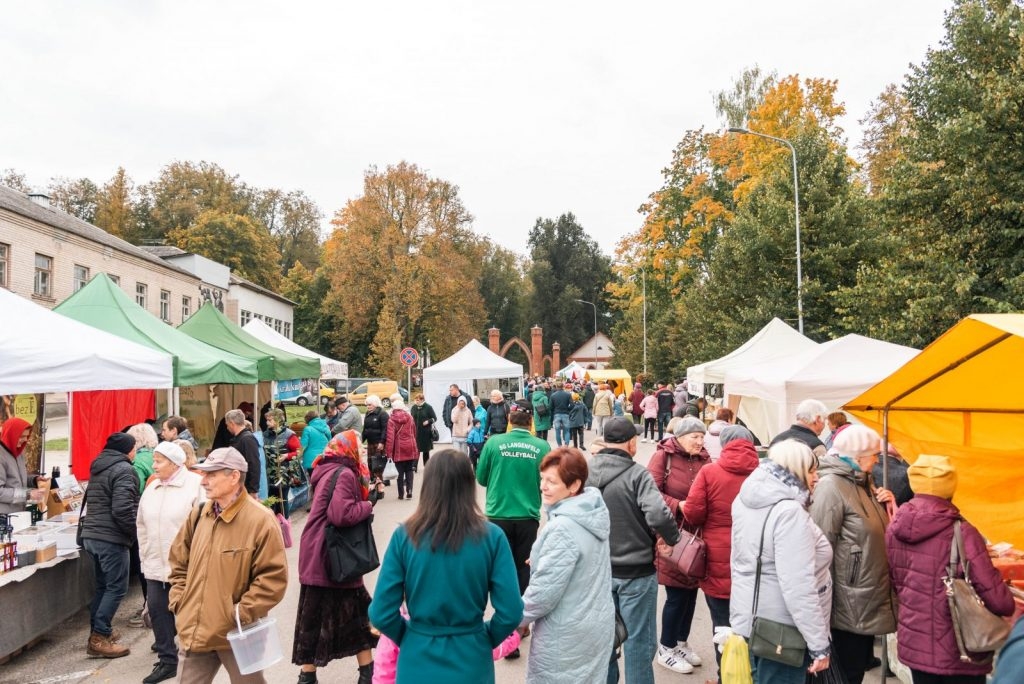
[819, 665]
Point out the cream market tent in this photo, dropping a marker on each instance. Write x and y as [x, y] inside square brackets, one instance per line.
[329, 368]
[962, 397]
[472, 363]
[833, 372]
[573, 371]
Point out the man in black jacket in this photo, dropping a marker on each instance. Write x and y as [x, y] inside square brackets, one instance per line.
[108, 531]
[451, 401]
[561, 402]
[245, 442]
[810, 422]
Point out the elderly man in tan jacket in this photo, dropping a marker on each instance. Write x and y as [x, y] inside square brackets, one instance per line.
[231, 554]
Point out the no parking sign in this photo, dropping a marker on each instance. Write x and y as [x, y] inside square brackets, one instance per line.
[409, 357]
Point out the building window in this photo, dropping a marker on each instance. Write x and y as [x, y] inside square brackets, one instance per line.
[44, 276]
[288, 330]
[165, 306]
[140, 294]
[116, 279]
[186, 308]
[246, 316]
[5, 263]
[81, 277]
[277, 325]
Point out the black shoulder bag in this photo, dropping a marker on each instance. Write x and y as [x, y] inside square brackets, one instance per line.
[351, 551]
[770, 639]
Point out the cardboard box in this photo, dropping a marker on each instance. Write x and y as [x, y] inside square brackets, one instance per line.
[65, 499]
[45, 552]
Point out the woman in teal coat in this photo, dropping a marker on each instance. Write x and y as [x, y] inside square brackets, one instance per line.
[447, 543]
[541, 412]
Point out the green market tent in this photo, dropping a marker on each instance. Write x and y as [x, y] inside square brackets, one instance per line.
[214, 328]
[103, 305]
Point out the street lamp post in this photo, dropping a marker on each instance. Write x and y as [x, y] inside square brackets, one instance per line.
[643, 273]
[796, 200]
[583, 301]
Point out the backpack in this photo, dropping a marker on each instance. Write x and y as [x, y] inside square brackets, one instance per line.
[541, 407]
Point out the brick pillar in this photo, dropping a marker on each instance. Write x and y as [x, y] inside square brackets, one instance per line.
[494, 340]
[536, 350]
[556, 358]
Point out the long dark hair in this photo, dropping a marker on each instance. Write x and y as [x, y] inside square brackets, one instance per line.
[447, 513]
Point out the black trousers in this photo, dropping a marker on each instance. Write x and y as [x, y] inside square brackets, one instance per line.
[852, 653]
[677, 615]
[719, 609]
[521, 533]
[405, 471]
[929, 678]
[163, 621]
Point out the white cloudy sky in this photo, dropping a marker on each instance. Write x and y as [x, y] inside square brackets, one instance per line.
[531, 108]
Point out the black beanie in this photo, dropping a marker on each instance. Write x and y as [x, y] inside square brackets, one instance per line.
[120, 442]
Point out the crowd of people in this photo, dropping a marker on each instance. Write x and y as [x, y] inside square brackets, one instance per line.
[805, 536]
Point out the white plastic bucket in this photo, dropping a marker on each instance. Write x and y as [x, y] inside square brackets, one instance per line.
[256, 647]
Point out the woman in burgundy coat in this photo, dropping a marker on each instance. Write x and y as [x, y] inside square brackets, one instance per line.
[674, 467]
[709, 505]
[635, 397]
[400, 445]
[918, 543]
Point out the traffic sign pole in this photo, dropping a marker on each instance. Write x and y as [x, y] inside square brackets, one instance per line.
[409, 358]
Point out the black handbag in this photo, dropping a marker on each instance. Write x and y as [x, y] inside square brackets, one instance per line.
[351, 551]
[434, 435]
[769, 639]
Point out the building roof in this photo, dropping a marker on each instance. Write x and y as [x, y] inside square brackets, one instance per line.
[597, 348]
[19, 203]
[248, 284]
[163, 251]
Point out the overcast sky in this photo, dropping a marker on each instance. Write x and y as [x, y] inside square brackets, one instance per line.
[531, 108]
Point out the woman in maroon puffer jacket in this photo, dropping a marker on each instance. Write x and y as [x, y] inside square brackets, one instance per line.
[918, 542]
[674, 467]
[400, 445]
[709, 505]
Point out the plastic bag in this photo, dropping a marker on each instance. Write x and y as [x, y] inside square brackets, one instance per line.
[736, 662]
[390, 470]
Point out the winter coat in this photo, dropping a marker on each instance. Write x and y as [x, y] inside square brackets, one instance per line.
[462, 422]
[561, 402]
[112, 503]
[604, 402]
[187, 436]
[649, 406]
[347, 508]
[709, 506]
[919, 541]
[349, 419]
[674, 471]
[588, 396]
[569, 599]
[424, 440]
[854, 524]
[635, 508]
[712, 440]
[898, 482]
[635, 398]
[400, 443]
[577, 414]
[801, 434]
[1011, 658]
[480, 413]
[449, 405]
[540, 398]
[163, 509]
[447, 640]
[375, 426]
[247, 445]
[14, 484]
[796, 586]
[497, 417]
[143, 465]
[314, 439]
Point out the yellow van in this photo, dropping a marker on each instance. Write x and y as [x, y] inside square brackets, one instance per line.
[382, 388]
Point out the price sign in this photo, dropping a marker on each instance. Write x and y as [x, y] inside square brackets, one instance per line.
[409, 357]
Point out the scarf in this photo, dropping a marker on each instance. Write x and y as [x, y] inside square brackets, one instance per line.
[344, 447]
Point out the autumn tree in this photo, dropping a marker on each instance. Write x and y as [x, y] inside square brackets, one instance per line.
[233, 240]
[115, 208]
[15, 180]
[183, 191]
[294, 221]
[76, 196]
[403, 263]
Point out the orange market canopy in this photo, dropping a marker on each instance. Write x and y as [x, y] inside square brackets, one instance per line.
[963, 397]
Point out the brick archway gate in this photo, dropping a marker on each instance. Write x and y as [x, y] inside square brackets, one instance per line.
[535, 355]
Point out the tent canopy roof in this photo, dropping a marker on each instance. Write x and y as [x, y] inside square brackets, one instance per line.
[473, 361]
[42, 351]
[211, 326]
[103, 305]
[774, 340]
[619, 374]
[329, 368]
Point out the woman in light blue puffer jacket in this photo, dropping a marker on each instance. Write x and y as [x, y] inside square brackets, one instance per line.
[569, 598]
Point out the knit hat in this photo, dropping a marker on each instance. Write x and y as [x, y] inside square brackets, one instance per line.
[934, 475]
[120, 442]
[688, 425]
[733, 432]
[171, 451]
[856, 439]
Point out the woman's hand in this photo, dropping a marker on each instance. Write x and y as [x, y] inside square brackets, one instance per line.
[884, 495]
[819, 665]
[681, 504]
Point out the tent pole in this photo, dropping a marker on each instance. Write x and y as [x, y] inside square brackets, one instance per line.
[177, 401]
[885, 484]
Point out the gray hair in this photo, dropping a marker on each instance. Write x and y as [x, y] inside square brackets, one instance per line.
[235, 417]
[144, 435]
[809, 409]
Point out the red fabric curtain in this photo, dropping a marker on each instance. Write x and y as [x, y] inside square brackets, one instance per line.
[95, 415]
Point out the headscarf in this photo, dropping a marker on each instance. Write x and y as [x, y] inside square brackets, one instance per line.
[13, 428]
[345, 445]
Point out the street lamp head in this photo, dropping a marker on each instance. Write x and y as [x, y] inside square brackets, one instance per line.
[734, 129]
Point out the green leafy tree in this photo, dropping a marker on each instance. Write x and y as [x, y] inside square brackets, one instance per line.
[77, 197]
[294, 221]
[233, 240]
[505, 291]
[313, 322]
[184, 190]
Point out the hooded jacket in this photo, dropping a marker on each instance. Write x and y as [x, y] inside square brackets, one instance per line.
[854, 524]
[314, 438]
[674, 472]
[400, 443]
[375, 425]
[569, 599]
[635, 507]
[709, 506]
[919, 541]
[112, 499]
[796, 586]
[713, 439]
[14, 486]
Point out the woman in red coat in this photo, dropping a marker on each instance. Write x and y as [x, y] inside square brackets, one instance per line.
[400, 445]
[634, 400]
[674, 467]
[709, 505]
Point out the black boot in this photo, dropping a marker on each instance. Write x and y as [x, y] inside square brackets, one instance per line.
[307, 677]
[366, 673]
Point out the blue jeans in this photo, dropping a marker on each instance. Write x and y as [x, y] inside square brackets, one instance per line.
[110, 562]
[770, 672]
[561, 425]
[663, 419]
[637, 601]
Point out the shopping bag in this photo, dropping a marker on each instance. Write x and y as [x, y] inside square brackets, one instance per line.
[390, 470]
[286, 530]
[735, 668]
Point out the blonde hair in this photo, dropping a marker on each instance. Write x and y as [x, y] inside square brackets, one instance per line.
[144, 435]
[796, 457]
[190, 453]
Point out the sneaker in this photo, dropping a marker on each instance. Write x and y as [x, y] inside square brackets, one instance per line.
[684, 651]
[136, 620]
[668, 658]
[513, 655]
[161, 672]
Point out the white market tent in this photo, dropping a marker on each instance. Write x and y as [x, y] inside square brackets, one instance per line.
[573, 371]
[775, 340]
[471, 363]
[42, 351]
[329, 368]
[765, 395]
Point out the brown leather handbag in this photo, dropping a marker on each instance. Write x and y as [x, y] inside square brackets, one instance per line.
[690, 554]
[977, 629]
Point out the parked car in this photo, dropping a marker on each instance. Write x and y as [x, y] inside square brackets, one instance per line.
[306, 398]
[382, 388]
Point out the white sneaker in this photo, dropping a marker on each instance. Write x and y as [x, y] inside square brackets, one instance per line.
[684, 651]
[668, 658]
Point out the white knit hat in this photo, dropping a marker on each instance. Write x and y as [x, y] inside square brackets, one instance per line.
[857, 439]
